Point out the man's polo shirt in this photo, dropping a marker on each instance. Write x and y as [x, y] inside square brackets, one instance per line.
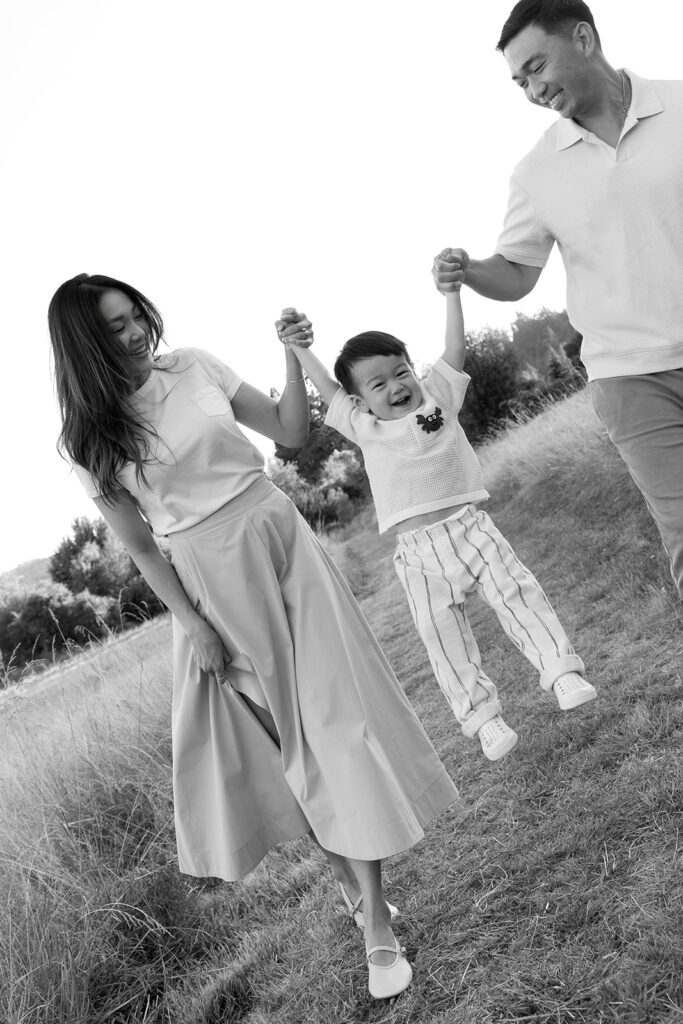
[617, 218]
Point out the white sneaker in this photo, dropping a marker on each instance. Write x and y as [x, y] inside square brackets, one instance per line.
[497, 739]
[572, 691]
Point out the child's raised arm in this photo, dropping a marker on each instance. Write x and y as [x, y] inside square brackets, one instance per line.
[456, 345]
[295, 331]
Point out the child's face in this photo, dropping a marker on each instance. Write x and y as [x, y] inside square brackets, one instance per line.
[386, 387]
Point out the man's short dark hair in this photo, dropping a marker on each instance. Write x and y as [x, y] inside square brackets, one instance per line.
[363, 346]
[556, 17]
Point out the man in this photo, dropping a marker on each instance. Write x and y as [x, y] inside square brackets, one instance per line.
[606, 183]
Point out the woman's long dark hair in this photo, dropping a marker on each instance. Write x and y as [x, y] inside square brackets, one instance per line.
[93, 375]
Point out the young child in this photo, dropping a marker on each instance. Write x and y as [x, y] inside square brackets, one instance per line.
[426, 482]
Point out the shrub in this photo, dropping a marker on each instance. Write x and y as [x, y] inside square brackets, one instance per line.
[134, 603]
[42, 624]
[344, 470]
[38, 625]
[534, 394]
[492, 364]
[319, 505]
[322, 441]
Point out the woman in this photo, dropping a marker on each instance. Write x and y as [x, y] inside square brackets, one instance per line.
[287, 719]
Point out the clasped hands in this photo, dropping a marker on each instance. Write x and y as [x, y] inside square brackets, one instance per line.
[294, 328]
[448, 269]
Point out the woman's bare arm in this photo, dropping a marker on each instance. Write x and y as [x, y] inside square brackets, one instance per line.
[125, 520]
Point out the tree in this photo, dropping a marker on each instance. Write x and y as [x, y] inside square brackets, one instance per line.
[533, 336]
[492, 364]
[84, 531]
[95, 562]
[102, 568]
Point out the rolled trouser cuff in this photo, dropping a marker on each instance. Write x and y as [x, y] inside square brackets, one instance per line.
[568, 663]
[483, 714]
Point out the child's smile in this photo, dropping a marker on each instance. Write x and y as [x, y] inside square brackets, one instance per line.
[403, 400]
[386, 386]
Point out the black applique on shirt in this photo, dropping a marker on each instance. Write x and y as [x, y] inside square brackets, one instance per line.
[432, 422]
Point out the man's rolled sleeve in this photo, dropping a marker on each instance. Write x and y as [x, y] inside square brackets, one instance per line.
[523, 239]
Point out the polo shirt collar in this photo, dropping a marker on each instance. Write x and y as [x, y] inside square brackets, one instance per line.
[644, 103]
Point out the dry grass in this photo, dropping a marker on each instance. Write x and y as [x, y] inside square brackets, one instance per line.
[550, 893]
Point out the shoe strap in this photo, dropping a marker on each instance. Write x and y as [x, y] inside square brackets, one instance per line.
[397, 950]
[352, 907]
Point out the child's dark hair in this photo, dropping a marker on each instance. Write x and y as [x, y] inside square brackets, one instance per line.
[363, 346]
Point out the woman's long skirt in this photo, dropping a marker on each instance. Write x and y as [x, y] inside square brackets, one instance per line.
[354, 764]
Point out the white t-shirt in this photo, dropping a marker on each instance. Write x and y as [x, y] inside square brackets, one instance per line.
[201, 459]
[419, 463]
[617, 218]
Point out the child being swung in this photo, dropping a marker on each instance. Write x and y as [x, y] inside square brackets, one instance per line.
[426, 482]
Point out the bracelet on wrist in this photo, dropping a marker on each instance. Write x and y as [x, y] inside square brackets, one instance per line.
[297, 380]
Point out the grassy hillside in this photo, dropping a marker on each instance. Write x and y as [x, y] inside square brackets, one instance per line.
[27, 575]
[550, 893]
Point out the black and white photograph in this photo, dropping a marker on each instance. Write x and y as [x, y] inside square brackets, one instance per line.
[341, 561]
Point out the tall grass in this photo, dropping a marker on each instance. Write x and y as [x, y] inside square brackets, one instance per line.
[550, 893]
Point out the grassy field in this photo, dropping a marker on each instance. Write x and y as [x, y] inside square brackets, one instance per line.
[550, 893]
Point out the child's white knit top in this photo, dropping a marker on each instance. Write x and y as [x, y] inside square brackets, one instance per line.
[199, 458]
[421, 462]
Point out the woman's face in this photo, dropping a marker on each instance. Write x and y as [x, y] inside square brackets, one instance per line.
[128, 323]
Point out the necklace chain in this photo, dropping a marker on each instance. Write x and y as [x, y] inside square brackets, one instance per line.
[622, 76]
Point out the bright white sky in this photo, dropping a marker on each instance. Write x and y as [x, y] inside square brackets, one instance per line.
[229, 158]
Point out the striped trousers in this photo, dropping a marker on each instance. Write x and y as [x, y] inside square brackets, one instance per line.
[439, 566]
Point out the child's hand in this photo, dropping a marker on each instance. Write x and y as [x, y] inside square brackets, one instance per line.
[448, 270]
[294, 329]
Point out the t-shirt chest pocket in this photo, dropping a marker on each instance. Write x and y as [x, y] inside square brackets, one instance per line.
[427, 429]
[211, 401]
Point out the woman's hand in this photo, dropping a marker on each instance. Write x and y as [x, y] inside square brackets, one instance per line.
[294, 328]
[210, 654]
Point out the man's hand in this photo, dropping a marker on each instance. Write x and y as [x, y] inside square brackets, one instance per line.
[449, 269]
[294, 328]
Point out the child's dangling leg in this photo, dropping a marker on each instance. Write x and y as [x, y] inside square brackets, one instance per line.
[524, 611]
[436, 601]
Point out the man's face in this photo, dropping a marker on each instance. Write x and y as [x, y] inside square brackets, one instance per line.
[553, 69]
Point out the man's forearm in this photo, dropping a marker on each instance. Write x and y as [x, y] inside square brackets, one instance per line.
[497, 278]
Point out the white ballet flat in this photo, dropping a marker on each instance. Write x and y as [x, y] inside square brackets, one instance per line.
[386, 982]
[357, 914]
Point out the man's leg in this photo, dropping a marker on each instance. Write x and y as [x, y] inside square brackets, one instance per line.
[643, 415]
